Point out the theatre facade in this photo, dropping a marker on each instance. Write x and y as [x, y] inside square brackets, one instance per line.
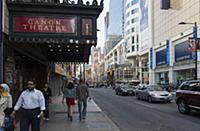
[40, 34]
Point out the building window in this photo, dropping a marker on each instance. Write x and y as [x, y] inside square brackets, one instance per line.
[127, 15]
[127, 32]
[133, 39]
[136, 10]
[137, 39]
[133, 29]
[134, 20]
[137, 47]
[133, 48]
[133, 2]
[128, 23]
[128, 5]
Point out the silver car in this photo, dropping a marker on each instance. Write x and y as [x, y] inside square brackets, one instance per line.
[153, 93]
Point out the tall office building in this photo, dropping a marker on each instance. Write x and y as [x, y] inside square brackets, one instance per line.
[172, 52]
[131, 17]
[113, 24]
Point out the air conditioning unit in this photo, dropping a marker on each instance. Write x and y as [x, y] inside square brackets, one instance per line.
[165, 4]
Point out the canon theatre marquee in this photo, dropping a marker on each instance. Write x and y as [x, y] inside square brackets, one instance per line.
[44, 24]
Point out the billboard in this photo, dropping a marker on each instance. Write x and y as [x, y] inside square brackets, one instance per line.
[161, 57]
[144, 26]
[183, 51]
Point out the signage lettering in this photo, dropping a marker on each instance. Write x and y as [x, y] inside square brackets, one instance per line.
[44, 24]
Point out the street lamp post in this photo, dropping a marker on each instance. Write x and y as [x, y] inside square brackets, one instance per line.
[195, 40]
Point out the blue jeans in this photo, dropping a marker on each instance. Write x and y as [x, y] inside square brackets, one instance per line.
[2, 129]
[82, 111]
[46, 111]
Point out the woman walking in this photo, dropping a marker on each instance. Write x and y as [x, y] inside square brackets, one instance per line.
[69, 95]
[5, 107]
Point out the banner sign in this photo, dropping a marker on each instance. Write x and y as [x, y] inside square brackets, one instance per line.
[151, 58]
[161, 57]
[167, 52]
[144, 26]
[183, 51]
[44, 24]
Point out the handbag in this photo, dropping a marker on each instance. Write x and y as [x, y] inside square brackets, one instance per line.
[9, 122]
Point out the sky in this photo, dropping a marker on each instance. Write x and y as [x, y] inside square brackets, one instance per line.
[100, 22]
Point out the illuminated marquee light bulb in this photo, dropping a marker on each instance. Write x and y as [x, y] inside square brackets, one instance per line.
[88, 41]
[71, 40]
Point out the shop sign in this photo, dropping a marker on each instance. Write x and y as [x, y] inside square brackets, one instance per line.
[161, 57]
[44, 24]
[183, 51]
[167, 52]
[151, 58]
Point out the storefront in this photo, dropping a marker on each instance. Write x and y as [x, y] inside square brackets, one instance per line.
[183, 75]
[184, 62]
[162, 69]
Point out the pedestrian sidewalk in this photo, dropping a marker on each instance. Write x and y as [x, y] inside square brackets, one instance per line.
[95, 120]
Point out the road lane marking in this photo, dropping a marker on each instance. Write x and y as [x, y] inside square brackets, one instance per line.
[143, 104]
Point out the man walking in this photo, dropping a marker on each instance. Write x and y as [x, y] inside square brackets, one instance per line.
[82, 93]
[33, 104]
[47, 96]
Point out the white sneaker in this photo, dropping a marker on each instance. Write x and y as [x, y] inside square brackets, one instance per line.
[47, 119]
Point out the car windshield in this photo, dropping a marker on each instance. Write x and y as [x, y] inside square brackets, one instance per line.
[155, 88]
[125, 87]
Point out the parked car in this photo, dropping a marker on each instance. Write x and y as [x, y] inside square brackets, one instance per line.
[188, 96]
[124, 89]
[153, 93]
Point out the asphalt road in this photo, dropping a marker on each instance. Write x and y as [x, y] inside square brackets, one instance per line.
[131, 114]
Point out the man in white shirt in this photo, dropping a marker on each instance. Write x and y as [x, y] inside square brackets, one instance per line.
[32, 103]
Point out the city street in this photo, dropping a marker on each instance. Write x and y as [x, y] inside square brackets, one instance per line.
[131, 114]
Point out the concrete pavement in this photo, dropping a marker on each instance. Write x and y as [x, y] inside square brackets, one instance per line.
[95, 120]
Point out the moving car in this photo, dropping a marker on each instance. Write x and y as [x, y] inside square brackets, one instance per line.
[153, 93]
[124, 89]
[188, 96]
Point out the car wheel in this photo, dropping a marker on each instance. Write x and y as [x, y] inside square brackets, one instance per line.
[149, 99]
[183, 107]
[137, 96]
[169, 101]
[116, 93]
